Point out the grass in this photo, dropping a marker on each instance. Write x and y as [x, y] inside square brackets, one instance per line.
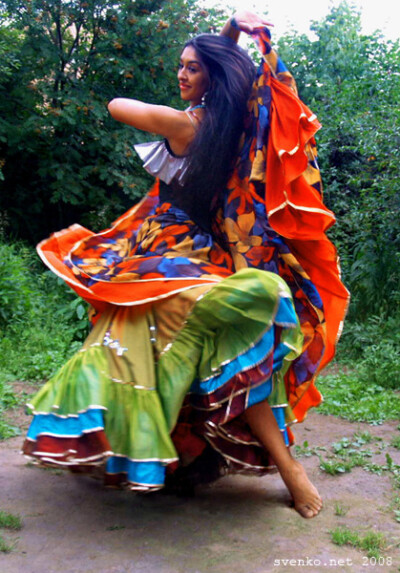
[395, 506]
[350, 396]
[350, 452]
[333, 467]
[373, 543]
[305, 451]
[11, 522]
[356, 451]
[33, 347]
[5, 547]
[395, 442]
[340, 510]
[366, 380]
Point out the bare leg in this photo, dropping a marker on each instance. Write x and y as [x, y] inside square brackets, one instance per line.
[263, 424]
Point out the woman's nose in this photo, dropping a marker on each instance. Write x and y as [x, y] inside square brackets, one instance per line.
[181, 73]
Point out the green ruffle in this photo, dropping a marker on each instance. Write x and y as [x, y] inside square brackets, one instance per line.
[134, 421]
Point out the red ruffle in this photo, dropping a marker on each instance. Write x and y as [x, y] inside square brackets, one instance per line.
[296, 211]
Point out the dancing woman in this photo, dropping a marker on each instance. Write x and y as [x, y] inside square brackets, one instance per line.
[217, 298]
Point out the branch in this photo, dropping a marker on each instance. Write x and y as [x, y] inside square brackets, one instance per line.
[75, 43]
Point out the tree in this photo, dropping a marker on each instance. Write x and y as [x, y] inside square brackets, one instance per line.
[63, 158]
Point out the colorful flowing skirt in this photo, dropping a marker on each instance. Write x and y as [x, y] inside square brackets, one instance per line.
[163, 378]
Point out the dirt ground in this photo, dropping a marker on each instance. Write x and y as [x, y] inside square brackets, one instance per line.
[237, 525]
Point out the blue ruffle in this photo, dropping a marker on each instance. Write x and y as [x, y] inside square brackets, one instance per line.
[147, 473]
[259, 393]
[243, 362]
[69, 426]
[138, 472]
[253, 356]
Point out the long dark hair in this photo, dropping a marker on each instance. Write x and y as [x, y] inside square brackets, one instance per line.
[213, 152]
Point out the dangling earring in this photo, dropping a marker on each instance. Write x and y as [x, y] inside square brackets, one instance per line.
[203, 99]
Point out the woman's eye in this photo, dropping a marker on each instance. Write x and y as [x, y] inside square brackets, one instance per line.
[191, 69]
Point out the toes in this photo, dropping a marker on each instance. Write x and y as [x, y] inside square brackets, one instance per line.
[316, 505]
[305, 511]
[308, 510]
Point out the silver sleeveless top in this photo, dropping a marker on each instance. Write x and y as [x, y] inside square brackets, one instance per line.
[159, 161]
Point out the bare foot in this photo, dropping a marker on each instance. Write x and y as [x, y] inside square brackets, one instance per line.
[306, 498]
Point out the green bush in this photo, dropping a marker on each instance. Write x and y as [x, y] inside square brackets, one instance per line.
[42, 321]
[15, 287]
[372, 349]
[381, 364]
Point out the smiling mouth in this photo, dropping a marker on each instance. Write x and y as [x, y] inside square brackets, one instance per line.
[183, 87]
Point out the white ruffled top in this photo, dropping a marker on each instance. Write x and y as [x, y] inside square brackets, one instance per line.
[159, 161]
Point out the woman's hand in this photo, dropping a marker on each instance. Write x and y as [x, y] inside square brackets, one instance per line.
[248, 21]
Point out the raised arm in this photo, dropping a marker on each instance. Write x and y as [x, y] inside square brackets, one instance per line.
[243, 21]
[160, 119]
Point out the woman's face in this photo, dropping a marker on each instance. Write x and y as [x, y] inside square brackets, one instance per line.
[193, 76]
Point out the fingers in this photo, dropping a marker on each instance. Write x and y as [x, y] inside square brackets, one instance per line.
[265, 22]
[249, 22]
[245, 27]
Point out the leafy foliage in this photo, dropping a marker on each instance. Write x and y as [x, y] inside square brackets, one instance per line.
[63, 159]
[34, 303]
[374, 346]
[15, 287]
